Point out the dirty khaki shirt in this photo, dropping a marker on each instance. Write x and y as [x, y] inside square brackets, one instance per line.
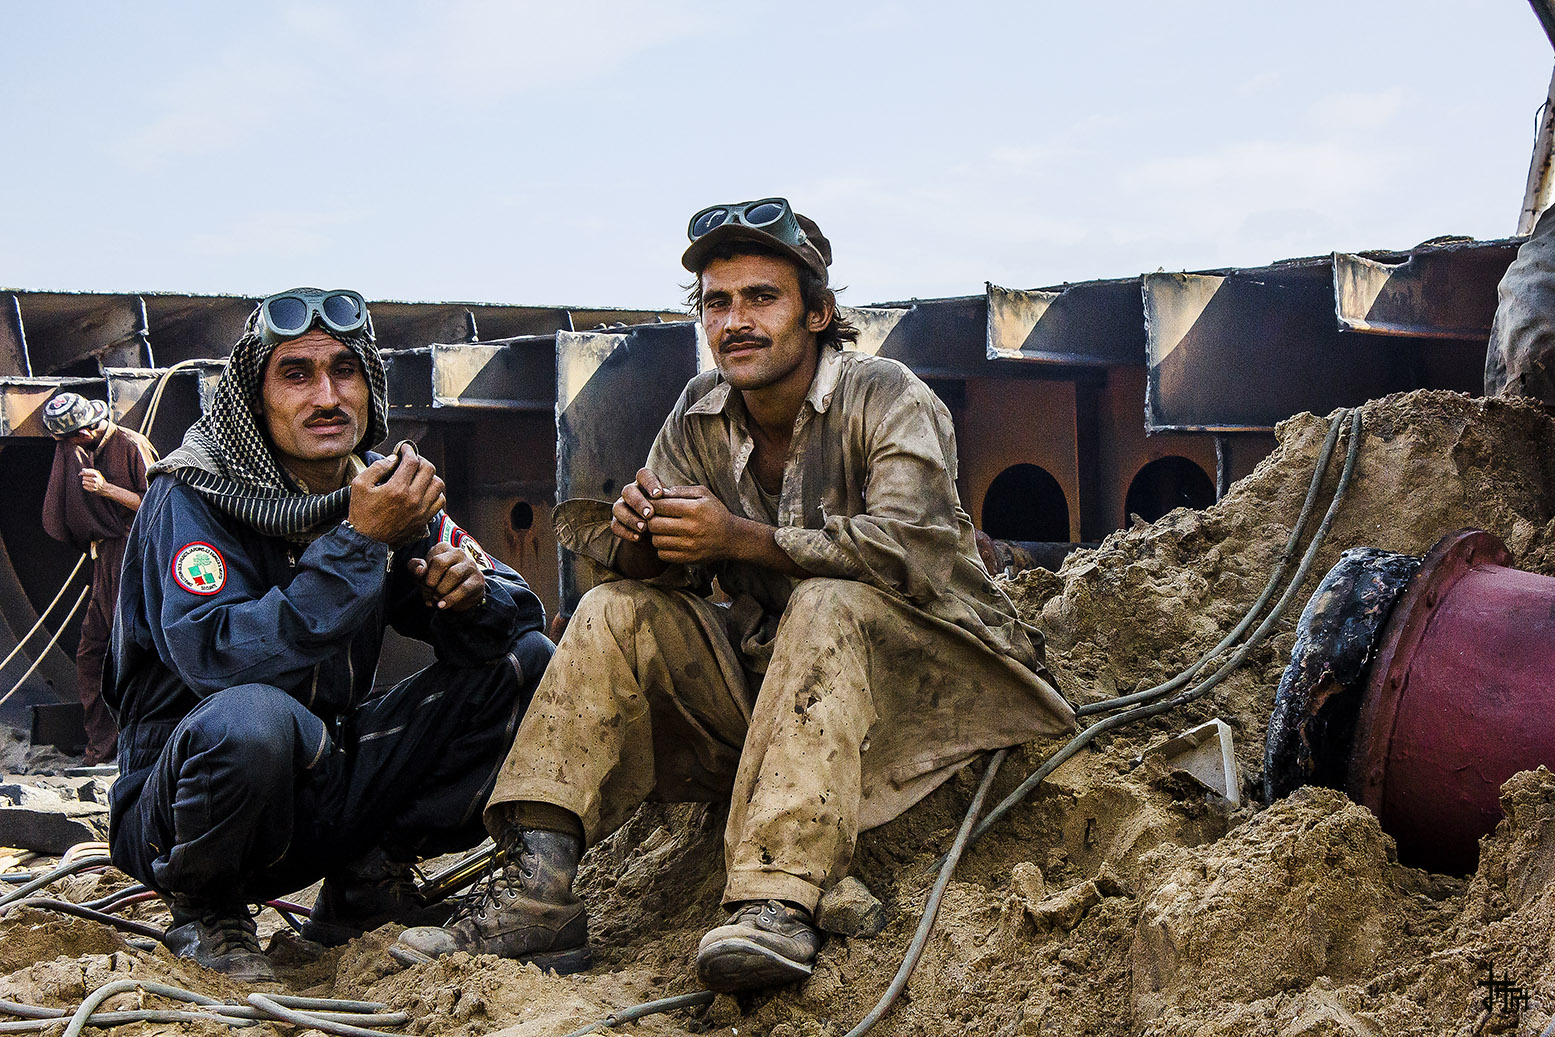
[868, 494]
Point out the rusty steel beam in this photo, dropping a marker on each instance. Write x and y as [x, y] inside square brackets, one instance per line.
[1240, 350]
[1094, 324]
[13, 339]
[401, 325]
[612, 392]
[1443, 293]
[517, 374]
[68, 331]
[875, 325]
[22, 400]
[610, 319]
[189, 327]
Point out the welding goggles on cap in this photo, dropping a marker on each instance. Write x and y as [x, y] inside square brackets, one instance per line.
[286, 315]
[772, 216]
[769, 221]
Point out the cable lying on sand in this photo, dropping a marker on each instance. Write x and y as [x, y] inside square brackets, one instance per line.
[329, 1015]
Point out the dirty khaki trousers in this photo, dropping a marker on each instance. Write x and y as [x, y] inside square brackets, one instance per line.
[866, 706]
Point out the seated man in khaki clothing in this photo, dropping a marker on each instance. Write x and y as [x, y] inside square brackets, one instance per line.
[866, 654]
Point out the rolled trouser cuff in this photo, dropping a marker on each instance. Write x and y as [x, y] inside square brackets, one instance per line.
[547, 806]
[745, 886]
[532, 815]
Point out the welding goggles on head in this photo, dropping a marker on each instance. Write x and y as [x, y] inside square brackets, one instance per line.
[286, 315]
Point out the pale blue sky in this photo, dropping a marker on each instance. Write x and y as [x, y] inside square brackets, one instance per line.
[551, 153]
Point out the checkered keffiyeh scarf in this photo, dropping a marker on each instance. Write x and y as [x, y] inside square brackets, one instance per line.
[226, 458]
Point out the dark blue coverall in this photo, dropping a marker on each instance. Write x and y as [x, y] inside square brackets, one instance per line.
[253, 757]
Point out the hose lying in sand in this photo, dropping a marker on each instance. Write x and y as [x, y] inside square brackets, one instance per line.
[113, 902]
[931, 908]
[275, 1007]
[64, 907]
[326, 1014]
[67, 868]
[1156, 708]
[696, 999]
[102, 909]
[1286, 557]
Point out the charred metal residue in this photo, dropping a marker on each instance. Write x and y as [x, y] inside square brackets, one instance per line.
[1319, 699]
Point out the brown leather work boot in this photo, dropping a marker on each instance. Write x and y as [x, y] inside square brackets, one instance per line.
[219, 936]
[370, 891]
[763, 944]
[523, 909]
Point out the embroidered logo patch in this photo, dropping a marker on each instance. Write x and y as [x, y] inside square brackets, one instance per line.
[449, 533]
[199, 568]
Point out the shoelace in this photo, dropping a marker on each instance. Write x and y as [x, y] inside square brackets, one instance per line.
[771, 915]
[233, 932]
[502, 873]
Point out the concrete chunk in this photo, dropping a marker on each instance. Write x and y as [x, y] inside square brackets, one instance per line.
[850, 909]
[1064, 910]
[53, 829]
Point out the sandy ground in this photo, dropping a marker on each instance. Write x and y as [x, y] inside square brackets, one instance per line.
[1119, 899]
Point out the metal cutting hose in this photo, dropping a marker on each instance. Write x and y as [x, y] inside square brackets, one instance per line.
[931, 909]
[1335, 424]
[1158, 707]
[64, 869]
[327, 1014]
[52, 642]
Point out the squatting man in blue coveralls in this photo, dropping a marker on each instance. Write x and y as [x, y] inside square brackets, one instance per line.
[269, 553]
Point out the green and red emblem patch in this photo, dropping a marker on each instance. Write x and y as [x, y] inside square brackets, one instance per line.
[199, 568]
[449, 533]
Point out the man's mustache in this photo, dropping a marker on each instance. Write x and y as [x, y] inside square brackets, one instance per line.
[333, 414]
[744, 340]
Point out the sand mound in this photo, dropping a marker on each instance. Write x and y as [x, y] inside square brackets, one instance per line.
[1118, 900]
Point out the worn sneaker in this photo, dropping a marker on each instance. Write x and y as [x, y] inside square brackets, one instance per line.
[367, 893]
[524, 909]
[763, 944]
[221, 937]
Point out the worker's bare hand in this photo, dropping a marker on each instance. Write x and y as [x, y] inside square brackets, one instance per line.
[450, 579]
[690, 525]
[92, 480]
[395, 497]
[629, 518]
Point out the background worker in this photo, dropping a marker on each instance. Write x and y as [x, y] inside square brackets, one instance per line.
[865, 657]
[94, 491]
[270, 553]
